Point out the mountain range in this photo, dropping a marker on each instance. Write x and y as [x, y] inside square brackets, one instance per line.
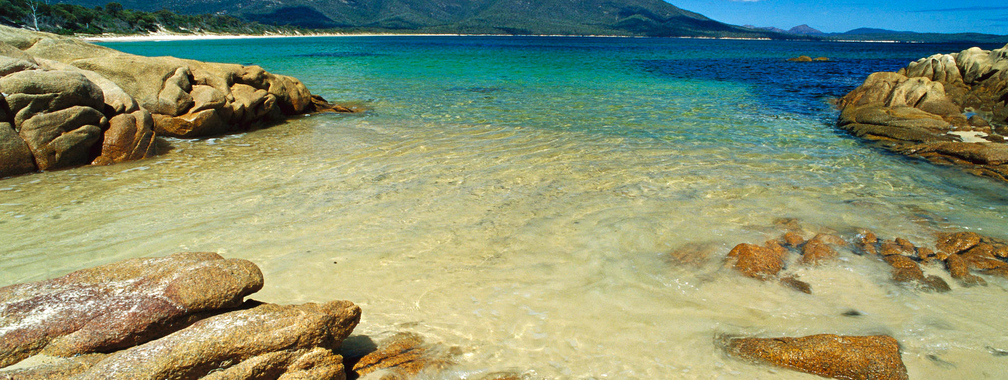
[534, 17]
[874, 34]
[567, 17]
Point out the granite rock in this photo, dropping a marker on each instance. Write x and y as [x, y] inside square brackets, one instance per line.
[118, 305]
[262, 342]
[840, 357]
[758, 262]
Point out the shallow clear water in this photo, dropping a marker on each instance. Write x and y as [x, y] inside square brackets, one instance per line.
[518, 197]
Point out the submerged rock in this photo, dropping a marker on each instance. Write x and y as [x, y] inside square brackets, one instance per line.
[119, 305]
[835, 356]
[691, 254]
[906, 270]
[403, 356]
[867, 242]
[818, 250]
[757, 262]
[959, 269]
[15, 157]
[792, 239]
[796, 284]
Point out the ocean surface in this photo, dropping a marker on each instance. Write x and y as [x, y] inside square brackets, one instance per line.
[518, 198]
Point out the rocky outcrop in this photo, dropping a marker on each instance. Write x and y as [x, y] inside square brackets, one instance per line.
[839, 357]
[119, 305]
[965, 256]
[71, 103]
[175, 317]
[805, 58]
[948, 108]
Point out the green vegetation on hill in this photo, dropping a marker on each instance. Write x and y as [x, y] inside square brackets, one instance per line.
[564, 17]
[113, 18]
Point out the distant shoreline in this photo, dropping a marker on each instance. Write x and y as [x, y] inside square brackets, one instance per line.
[210, 36]
[156, 37]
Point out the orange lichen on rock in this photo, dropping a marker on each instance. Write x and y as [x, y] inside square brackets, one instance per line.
[828, 355]
[756, 261]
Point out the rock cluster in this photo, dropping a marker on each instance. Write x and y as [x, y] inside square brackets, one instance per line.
[805, 58]
[65, 102]
[948, 108]
[962, 254]
[965, 255]
[179, 317]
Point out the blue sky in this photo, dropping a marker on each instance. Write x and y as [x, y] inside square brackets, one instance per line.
[943, 16]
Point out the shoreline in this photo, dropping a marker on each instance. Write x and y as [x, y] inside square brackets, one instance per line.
[158, 37]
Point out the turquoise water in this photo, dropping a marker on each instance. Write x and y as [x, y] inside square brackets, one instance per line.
[517, 197]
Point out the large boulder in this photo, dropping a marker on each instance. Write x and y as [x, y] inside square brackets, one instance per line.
[874, 357]
[63, 138]
[57, 114]
[119, 305]
[35, 91]
[265, 341]
[130, 137]
[15, 157]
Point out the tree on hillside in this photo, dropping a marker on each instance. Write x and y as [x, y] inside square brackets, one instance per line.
[113, 8]
[33, 5]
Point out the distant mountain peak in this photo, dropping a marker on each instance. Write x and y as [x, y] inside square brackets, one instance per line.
[805, 30]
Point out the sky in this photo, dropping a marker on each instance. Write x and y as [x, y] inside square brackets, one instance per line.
[940, 16]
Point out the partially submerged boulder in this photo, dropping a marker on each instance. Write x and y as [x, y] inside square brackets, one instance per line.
[120, 304]
[403, 356]
[875, 357]
[759, 262]
[15, 157]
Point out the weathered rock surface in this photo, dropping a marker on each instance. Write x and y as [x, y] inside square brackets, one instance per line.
[818, 249]
[948, 108]
[402, 356]
[960, 271]
[15, 157]
[264, 342]
[128, 138]
[905, 270]
[758, 262]
[45, 76]
[835, 356]
[118, 305]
